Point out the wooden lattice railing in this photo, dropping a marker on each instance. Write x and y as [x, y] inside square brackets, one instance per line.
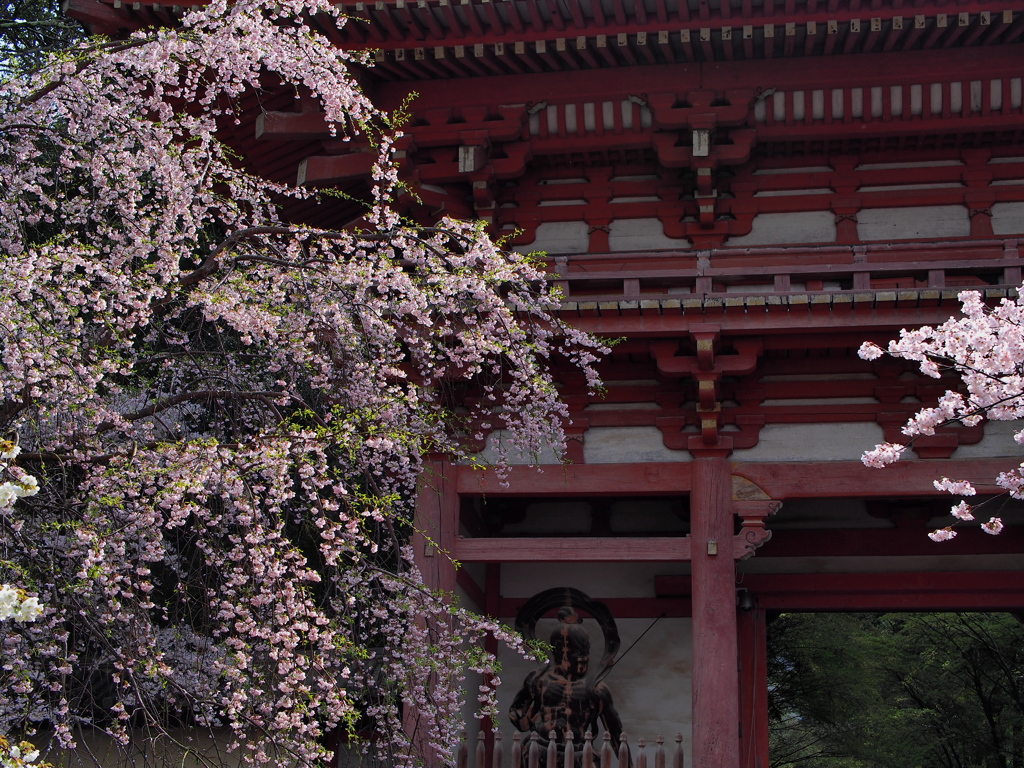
[529, 753]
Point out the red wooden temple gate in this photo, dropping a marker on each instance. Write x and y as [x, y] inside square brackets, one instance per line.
[742, 191]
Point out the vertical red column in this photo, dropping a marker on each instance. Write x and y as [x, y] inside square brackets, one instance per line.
[715, 677]
[436, 524]
[753, 689]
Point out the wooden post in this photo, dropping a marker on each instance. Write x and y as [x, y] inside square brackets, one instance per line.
[715, 677]
[436, 524]
[753, 688]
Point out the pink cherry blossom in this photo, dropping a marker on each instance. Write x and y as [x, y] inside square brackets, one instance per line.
[224, 415]
[985, 347]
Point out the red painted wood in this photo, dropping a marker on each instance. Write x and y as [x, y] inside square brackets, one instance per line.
[473, 590]
[780, 480]
[899, 591]
[753, 688]
[621, 607]
[591, 549]
[715, 677]
[435, 525]
[902, 542]
[783, 480]
[650, 479]
[785, 74]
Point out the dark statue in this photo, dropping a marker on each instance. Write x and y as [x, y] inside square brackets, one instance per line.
[561, 697]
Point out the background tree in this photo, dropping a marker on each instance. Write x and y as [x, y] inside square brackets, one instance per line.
[897, 690]
[30, 30]
[227, 412]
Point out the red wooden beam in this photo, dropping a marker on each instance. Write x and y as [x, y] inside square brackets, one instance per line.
[932, 591]
[591, 549]
[829, 479]
[780, 480]
[621, 607]
[900, 591]
[648, 479]
[882, 542]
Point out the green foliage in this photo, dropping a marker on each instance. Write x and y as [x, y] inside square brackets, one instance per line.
[897, 691]
[31, 29]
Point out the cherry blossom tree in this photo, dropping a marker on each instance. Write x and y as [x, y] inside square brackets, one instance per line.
[227, 412]
[985, 347]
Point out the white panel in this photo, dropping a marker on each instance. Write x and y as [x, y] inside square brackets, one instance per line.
[760, 111]
[570, 118]
[780, 228]
[996, 94]
[627, 114]
[779, 105]
[976, 95]
[812, 442]
[646, 121]
[641, 235]
[608, 115]
[1015, 89]
[1008, 218]
[837, 103]
[956, 97]
[856, 102]
[910, 223]
[497, 442]
[798, 105]
[896, 100]
[876, 101]
[552, 115]
[818, 105]
[610, 445]
[916, 100]
[589, 117]
[534, 124]
[998, 440]
[559, 237]
[935, 93]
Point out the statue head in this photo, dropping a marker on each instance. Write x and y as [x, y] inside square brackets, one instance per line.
[570, 644]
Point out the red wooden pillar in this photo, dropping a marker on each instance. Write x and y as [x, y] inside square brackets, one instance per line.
[715, 676]
[753, 689]
[436, 523]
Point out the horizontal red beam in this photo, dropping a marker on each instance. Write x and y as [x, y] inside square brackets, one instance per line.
[620, 607]
[647, 479]
[903, 591]
[780, 480]
[887, 542]
[830, 479]
[932, 591]
[825, 319]
[591, 549]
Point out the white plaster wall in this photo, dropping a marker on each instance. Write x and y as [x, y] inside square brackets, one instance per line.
[910, 223]
[559, 237]
[998, 442]
[651, 685]
[608, 445]
[641, 235]
[813, 442]
[498, 438]
[781, 228]
[1008, 218]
